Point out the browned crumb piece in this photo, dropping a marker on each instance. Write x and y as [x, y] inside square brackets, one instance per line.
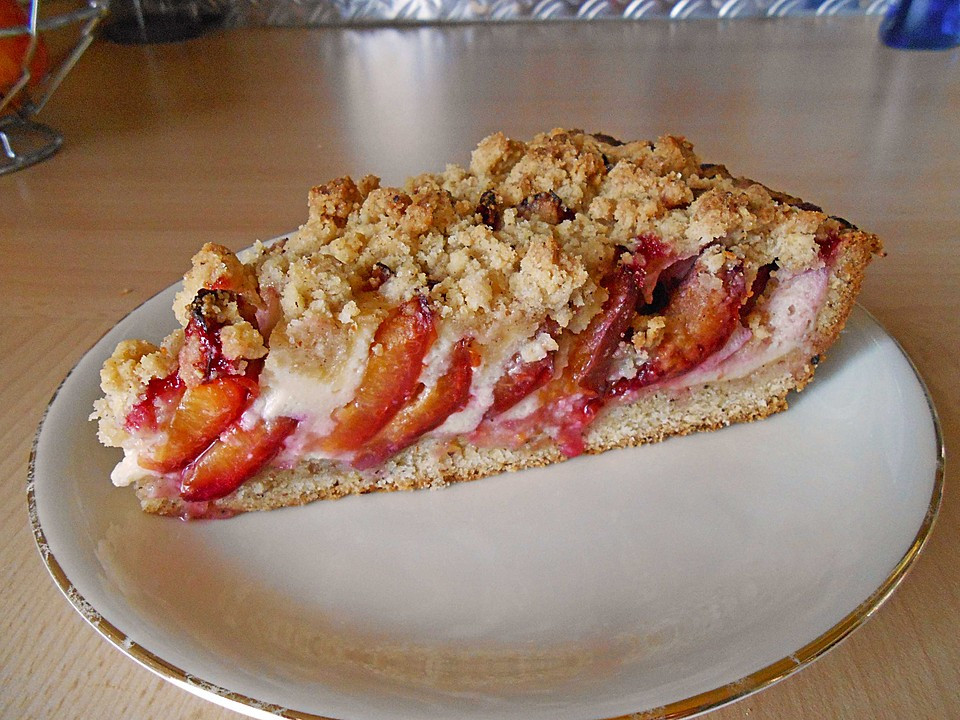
[216, 267]
[124, 377]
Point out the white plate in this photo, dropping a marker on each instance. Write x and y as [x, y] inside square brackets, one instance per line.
[666, 580]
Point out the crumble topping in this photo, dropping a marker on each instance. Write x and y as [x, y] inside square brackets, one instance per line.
[538, 348]
[566, 164]
[123, 378]
[494, 157]
[215, 267]
[647, 331]
[528, 229]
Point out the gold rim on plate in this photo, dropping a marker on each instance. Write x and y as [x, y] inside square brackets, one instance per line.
[685, 708]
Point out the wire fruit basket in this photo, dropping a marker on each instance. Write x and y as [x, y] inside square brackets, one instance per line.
[28, 77]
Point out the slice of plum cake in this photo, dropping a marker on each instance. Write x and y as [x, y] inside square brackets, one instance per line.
[567, 295]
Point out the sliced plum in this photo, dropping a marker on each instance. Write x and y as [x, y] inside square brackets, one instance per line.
[201, 357]
[234, 457]
[390, 378]
[425, 412]
[590, 358]
[200, 415]
[523, 377]
[700, 316]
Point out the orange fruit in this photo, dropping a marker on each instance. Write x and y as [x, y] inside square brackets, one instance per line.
[13, 50]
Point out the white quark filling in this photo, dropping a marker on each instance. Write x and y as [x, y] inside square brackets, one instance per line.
[289, 392]
[128, 470]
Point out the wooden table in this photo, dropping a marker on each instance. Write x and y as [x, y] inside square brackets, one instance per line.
[219, 139]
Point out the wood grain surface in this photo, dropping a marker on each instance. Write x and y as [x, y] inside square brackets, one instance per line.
[219, 138]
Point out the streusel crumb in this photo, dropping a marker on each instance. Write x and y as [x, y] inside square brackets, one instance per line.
[525, 227]
[215, 267]
[124, 377]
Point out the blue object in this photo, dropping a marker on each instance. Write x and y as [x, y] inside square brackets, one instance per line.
[922, 25]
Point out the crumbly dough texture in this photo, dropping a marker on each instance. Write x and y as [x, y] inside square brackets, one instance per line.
[522, 236]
